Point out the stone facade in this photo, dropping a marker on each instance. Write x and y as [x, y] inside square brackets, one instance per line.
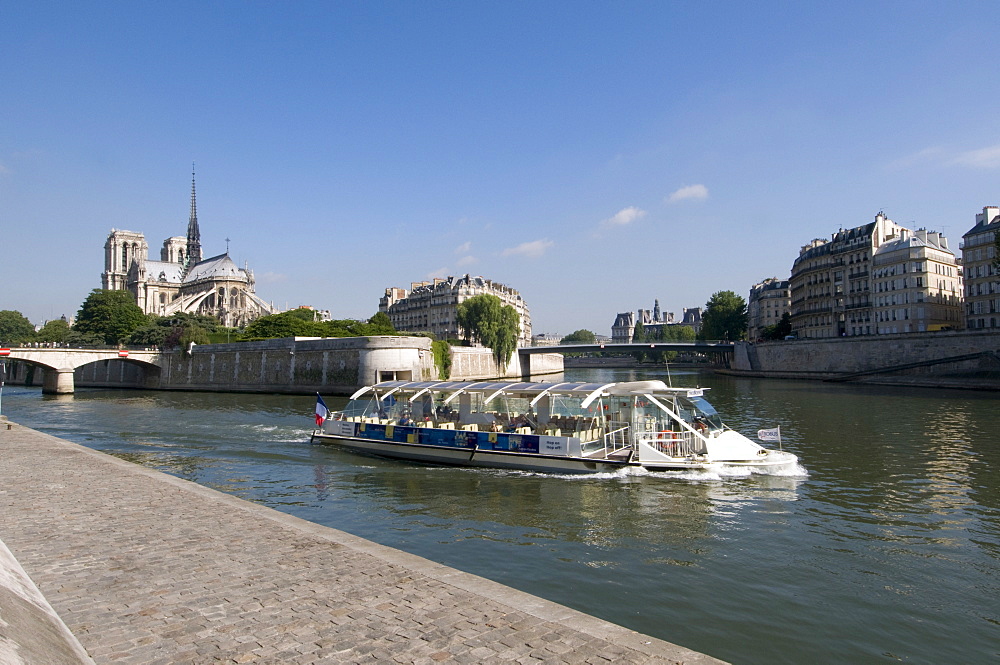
[768, 302]
[181, 281]
[433, 306]
[916, 285]
[982, 280]
[623, 329]
[834, 288]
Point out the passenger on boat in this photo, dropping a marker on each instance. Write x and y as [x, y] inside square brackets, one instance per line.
[405, 419]
[516, 422]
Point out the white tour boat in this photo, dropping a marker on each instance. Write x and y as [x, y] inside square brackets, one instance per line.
[555, 427]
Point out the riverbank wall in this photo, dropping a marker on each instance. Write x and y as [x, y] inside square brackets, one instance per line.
[953, 359]
[300, 365]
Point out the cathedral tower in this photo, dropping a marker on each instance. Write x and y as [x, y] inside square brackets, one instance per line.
[194, 234]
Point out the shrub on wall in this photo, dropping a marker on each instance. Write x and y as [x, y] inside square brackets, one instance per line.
[442, 358]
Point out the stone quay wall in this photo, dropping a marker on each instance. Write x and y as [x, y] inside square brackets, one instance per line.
[828, 358]
[303, 365]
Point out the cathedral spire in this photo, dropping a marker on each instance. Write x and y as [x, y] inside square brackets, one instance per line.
[194, 234]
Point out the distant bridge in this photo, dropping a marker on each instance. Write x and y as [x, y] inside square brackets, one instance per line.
[703, 346]
[59, 364]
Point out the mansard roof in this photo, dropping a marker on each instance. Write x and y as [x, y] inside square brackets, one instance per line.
[909, 241]
[984, 226]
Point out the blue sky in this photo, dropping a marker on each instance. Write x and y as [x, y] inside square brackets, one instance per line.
[594, 156]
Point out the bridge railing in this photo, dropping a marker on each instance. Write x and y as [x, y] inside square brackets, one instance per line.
[79, 347]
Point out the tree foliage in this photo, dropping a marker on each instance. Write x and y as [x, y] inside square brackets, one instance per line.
[725, 317]
[579, 337]
[54, 331]
[177, 330]
[486, 320]
[111, 316]
[442, 358]
[639, 333]
[780, 330]
[15, 328]
[381, 324]
[296, 324]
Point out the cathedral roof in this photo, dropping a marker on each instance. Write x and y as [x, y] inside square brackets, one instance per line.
[217, 267]
[164, 271]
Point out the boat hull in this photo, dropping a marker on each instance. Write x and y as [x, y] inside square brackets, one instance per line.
[473, 457]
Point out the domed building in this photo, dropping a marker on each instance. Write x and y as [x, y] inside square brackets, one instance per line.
[182, 281]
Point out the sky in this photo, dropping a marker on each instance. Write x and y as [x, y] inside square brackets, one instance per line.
[595, 156]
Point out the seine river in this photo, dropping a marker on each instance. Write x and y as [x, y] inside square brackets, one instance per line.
[885, 548]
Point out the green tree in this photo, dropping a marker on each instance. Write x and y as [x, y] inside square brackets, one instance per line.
[286, 324]
[579, 337]
[109, 315]
[678, 334]
[639, 333]
[168, 331]
[380, 324]
[485, 319]
[15, 328]
[725, 317]
[303, 313]
[54, 331]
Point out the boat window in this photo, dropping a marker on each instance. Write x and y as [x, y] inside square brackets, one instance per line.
[704, 411]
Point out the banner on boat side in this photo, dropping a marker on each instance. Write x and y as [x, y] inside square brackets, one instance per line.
[769, 434]
[339, 428]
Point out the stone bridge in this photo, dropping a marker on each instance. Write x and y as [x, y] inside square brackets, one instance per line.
[59, 364]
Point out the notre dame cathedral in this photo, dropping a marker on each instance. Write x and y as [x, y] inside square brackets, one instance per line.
[181, 281]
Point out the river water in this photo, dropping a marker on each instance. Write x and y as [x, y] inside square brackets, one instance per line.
[883, 548]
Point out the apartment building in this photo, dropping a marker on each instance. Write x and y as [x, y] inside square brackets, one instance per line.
[768, 302]
[855, 284]
[432, 306]
[916, 284]
[981, 277]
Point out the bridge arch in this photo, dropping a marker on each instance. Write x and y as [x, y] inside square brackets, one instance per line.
[60, 364]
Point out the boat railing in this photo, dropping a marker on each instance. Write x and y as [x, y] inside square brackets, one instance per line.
[614, 440]
[673, 444]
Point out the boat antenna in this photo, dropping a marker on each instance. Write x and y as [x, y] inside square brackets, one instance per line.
[670, 381]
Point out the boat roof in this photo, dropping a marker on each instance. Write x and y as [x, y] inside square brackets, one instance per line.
[535, 391]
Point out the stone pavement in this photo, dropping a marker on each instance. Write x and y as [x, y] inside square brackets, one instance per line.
[147, 568]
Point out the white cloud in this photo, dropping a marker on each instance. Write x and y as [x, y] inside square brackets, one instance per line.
[272, 278]
[4, 170]
[440, 272]
[467, 261]
[689, 192]
[532, 250]
[624, 217]
[983, 158]
[464, 247]
[932, 154]
[980, 158]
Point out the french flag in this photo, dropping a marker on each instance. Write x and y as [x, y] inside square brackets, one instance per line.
[322, 413]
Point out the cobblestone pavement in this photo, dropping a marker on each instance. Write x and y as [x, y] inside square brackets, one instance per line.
[147, 568]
